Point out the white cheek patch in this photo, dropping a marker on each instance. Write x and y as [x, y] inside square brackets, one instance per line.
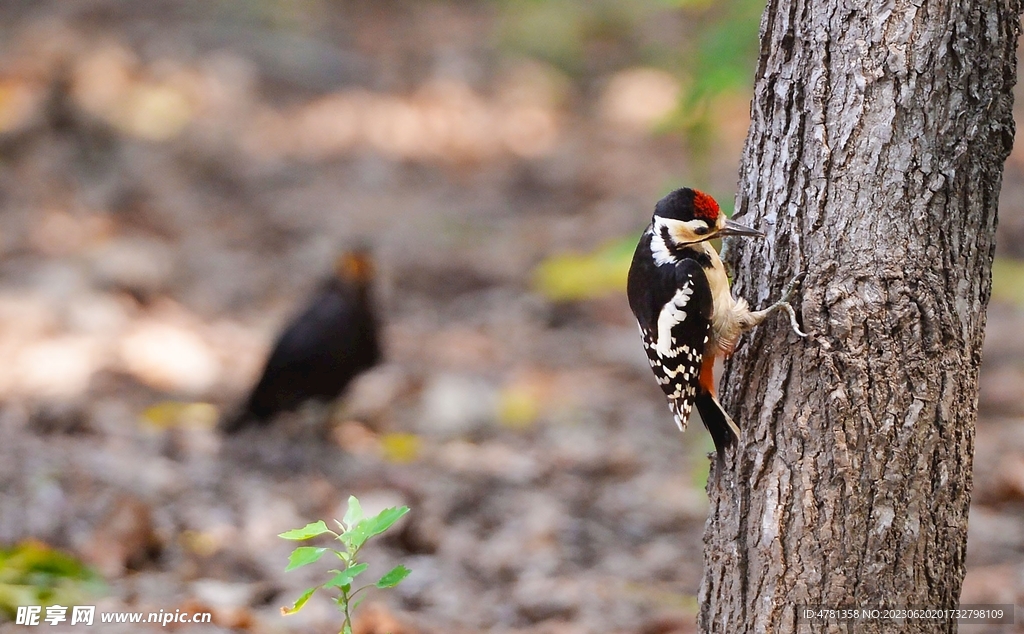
[671, 315]
[678, 233]
[658, 247]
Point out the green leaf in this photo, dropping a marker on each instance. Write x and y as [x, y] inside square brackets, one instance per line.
[386, 518]
[304, 555]
[345, 577]
[393, 577]
[301, 601]
[352, 540]
[371, 526]
[354, 514]
[307, 531]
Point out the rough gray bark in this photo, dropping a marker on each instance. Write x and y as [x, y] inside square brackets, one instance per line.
[874, 161]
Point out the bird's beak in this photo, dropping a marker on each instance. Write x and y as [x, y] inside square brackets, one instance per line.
[736, 229]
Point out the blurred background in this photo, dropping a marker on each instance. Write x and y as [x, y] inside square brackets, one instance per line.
[177, 177]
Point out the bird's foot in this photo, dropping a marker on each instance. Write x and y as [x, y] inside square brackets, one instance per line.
[784, 304]
[790, 289]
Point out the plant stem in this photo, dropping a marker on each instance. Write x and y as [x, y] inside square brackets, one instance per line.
[347, 626]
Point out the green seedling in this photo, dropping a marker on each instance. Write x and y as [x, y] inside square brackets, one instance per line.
[356, 530]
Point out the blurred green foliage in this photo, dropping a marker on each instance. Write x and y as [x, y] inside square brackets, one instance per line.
[566, 277]
[32, 573]
[1008, 281]
[660, 595]
[710, 47]
[726, 49]
[574, 36]
[573, 276]
[713, 53]
[722, 66]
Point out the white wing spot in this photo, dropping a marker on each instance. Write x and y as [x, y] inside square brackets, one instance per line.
[672, 315]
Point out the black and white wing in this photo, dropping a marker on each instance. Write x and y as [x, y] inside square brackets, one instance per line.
[675, 333]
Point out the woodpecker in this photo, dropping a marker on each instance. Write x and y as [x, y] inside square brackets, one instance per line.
[322, 349]
[679, 292]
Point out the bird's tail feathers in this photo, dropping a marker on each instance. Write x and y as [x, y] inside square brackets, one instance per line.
[723, 430]
[680, 411]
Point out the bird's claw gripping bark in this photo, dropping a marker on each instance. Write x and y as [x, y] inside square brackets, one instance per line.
[790, 290]
[784, 304]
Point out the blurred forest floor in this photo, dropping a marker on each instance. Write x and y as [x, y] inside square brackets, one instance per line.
[175, 177]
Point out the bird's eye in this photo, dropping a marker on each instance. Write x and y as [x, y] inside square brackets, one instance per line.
[701, 230]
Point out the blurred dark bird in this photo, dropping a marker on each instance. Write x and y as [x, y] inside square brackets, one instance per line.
[326, 346]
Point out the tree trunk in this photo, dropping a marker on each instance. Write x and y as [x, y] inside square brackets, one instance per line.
[874, 161]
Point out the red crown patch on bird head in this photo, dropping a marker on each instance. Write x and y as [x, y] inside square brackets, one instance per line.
[704, 206]
[688, 204]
